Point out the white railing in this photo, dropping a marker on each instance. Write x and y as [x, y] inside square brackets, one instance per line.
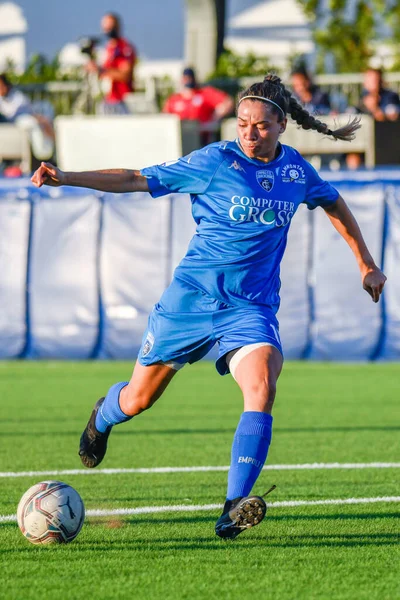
[344, 90]
[350, 85]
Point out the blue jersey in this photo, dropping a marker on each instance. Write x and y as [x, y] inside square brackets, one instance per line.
[243, 209]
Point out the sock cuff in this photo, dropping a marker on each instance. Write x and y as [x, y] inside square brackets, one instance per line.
[117, 387]
[255, 423]
[115, 390]
[110, 412]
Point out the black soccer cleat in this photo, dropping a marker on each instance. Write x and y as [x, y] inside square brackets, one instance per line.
[93, 443]
[240, 514]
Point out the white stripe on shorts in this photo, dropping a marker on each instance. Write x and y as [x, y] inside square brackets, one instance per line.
[234, 357]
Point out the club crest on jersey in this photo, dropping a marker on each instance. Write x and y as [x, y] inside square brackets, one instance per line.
[293, 174]
[148, 344]
[266, 179]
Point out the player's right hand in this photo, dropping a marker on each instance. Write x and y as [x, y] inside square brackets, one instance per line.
[48, 174]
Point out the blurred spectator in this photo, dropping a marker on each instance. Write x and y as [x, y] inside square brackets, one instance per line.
[311, 97]
[16, 108]
[379, 102]
[117, 68]
[206, 104]
[13, 103]
[383, 104]
[354, 161]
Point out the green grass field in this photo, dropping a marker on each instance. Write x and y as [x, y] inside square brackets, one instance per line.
[324, 413]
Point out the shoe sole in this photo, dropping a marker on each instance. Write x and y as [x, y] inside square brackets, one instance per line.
[249, 512]
[90, 462]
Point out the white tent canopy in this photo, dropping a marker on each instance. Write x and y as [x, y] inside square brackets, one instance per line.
[12, 20]
[277, 29]
[272, 13]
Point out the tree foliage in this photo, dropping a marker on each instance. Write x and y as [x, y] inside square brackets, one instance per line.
[232, 65]
[391, 13]
[351, 41]
[41, 70]
[233, 68]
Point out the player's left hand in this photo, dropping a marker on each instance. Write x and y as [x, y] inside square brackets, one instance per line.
[373, 282]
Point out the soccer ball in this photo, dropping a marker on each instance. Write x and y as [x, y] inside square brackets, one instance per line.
[50, 512]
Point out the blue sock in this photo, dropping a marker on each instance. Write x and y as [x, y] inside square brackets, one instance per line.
[249, 452]
[110, 412]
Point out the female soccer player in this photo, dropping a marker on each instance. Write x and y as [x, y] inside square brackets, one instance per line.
[226, 289]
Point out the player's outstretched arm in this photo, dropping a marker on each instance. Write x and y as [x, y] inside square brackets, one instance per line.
[109, 180]
[344, 222]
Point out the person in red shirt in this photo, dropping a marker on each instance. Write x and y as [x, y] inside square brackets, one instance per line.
[117, 67]
[207, 104]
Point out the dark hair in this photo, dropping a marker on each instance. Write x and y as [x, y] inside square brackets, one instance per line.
[5, 80]
[189, 72]
[273, 89]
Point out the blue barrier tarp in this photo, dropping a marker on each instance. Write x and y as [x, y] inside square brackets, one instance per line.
[14, 237]
[81, 270]
[391, 331]
[347, 324]
[134, 259]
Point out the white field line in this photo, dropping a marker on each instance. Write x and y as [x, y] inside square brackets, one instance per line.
[143, 510]
[305, 467]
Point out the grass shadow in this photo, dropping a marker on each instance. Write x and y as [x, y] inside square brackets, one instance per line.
[167, 544]
[287, 517]
[203, 431]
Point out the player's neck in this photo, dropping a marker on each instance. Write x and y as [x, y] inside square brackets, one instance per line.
[270, 156]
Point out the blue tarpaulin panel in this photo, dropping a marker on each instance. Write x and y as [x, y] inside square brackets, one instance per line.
[81, 270]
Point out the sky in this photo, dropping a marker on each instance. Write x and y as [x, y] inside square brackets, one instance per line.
[155, 27]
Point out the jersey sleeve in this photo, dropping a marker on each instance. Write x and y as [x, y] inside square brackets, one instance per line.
[191, 174]
[319, 192]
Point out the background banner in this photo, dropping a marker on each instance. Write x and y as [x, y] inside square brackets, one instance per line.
[81, 270]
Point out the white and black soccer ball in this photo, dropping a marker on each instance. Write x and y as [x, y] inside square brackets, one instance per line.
[50, 512]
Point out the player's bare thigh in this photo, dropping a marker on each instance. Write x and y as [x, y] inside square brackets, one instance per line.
[145, 387]
[256, 375]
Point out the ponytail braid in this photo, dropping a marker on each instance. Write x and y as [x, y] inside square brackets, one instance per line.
[283, 102]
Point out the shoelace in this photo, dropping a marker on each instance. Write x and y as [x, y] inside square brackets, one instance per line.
[271, 489]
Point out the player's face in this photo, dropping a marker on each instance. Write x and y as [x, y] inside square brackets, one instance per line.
[259, 129]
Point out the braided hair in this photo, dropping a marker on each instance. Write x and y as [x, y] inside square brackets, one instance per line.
[283, 102]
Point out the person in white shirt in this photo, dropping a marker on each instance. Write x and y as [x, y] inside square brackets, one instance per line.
[13, 103]
[16, 108]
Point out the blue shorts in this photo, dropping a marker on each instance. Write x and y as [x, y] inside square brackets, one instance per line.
[187, 323]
